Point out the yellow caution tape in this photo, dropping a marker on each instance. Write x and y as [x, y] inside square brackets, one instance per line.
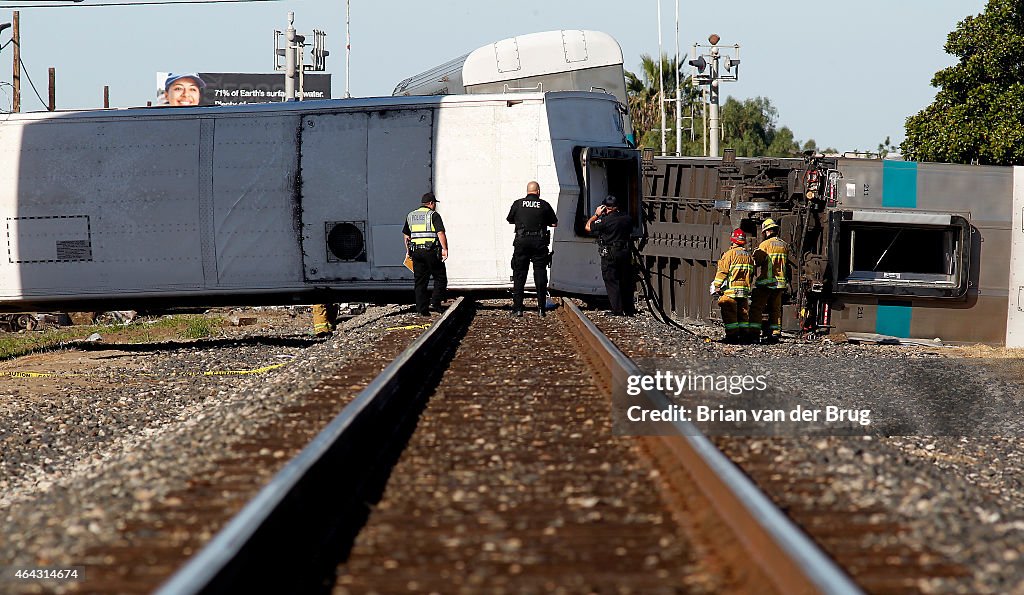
[411, 327]
[19, 374]
[241, 372]
[264, 369]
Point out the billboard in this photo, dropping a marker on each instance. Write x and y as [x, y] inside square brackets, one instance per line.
[233, 88]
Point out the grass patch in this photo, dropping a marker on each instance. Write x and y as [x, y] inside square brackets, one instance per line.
[989, 352]
[198, 327]
[17, 344]
[144, 331]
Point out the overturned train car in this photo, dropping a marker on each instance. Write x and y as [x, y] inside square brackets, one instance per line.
[894, 248]
[296, 201]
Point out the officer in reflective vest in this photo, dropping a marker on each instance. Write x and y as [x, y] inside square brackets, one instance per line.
[732, 283]
[771, 257]
[532, 217]
[427, 246]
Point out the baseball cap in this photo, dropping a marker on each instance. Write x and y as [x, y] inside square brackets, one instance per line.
[611, 201]
[428, 197]
[171, 77]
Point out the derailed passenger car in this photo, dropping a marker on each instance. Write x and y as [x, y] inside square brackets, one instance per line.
[296, 201]
[890, 247]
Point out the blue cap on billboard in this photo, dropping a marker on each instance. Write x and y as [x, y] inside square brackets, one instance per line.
[171, 77]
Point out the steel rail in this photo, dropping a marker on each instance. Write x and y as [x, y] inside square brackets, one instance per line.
[785, 555]
[273, 543]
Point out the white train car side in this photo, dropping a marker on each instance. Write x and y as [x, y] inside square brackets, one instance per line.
[294, 201]
[1015, 288]
[565, 60]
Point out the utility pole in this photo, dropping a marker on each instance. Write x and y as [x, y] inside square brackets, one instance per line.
[661, 82]
[679, 96]
[53, 90]
[16, 39]
[289, 59]
[714, 127]
[710, 61]
[294, 54]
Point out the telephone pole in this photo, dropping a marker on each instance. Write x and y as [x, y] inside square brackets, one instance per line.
[16, 39]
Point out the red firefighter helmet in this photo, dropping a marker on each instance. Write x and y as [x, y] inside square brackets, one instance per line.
[738, 237]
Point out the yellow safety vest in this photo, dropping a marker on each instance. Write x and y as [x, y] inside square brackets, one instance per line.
[735, 270]
[771, 256]
[421, 227]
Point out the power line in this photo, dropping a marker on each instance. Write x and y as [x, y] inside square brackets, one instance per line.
[31, 84]
[27, 75]
[80, 3]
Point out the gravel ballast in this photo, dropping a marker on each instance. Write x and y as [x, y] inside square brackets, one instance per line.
[84, 451]
[958, 495]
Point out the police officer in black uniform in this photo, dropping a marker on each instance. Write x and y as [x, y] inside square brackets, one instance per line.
[427, 246]
[613, 228]
[532, 216]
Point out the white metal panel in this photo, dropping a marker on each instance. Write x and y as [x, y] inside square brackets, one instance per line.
[574, 43]
[399, 171]
[388, 249]
[506, 55]
[135, 180]
[484, 158]
[254, 215]
[1015, 309]
[48, 239]
[535, 56]
[334, 188]
[902, 217]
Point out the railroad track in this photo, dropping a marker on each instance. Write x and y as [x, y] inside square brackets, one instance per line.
[512, 480]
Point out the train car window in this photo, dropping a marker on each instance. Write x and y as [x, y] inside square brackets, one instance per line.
[925, 255]
[603, 171]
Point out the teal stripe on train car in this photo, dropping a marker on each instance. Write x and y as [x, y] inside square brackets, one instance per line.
[893, 319]
[899, 184]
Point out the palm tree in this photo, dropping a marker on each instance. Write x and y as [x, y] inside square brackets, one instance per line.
[643, 95]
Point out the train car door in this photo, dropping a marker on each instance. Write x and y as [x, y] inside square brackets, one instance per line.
[362, 172]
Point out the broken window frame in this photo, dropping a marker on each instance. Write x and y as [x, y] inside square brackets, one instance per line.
[594, 165]
[850, 277]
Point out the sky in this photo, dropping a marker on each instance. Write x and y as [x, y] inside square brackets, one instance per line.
[846, 74]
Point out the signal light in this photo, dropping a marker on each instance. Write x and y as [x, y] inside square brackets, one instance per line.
[700, 63]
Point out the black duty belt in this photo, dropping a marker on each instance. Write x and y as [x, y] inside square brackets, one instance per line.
[614, 244]
[524, 232]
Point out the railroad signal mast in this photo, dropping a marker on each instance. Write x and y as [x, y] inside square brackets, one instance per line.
[707, 62]
[293, 52]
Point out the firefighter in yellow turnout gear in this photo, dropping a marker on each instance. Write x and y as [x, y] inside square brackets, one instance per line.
[732, 283]
[771, 257]
[325, 319]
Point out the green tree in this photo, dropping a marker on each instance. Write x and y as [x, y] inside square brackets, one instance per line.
[643, 94]
[978, 112]
[885, 147]
[748, 126]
